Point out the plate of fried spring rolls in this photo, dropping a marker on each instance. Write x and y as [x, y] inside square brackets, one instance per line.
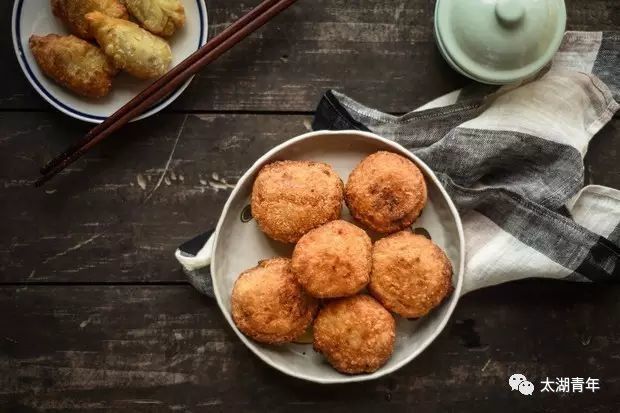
[88, 58]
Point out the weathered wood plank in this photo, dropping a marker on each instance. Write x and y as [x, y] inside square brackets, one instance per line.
[118, 214]
[167, 348]
[382, 53]
[108, 220]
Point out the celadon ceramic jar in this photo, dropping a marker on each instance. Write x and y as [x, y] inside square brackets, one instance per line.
[499, 41]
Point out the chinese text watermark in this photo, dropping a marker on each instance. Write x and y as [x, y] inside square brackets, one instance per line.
[520, 383]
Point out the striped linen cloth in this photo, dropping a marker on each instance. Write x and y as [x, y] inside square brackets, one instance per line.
[511, 158]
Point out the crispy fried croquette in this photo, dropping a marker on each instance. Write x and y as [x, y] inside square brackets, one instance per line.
[130, 47]
[74, 63]
[289, 198]
[410, 274]
[386, 192]
[333, 260]
[269, 305]
[72, 13]
[160, 17]
[356, 334]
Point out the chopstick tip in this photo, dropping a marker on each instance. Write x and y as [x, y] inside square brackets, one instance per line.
[41, 181]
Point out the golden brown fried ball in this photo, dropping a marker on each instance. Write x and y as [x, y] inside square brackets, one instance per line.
[386, 192]
[269, 305]
[74, 63]
[289, 198]
[410, 274]
[333, 260]
[356, 334]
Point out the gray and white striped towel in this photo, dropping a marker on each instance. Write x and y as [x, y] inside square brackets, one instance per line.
[511, 158]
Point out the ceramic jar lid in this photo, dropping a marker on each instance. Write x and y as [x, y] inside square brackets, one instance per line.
[499, 41]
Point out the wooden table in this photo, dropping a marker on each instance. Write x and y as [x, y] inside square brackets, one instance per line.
[96, 314]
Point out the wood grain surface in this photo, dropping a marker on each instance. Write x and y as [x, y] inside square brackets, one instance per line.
[366, 48]
[96, 314]
[118, 214]
[165, 348]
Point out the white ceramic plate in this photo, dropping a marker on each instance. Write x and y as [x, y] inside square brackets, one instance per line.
[36, 17]
[238, 244]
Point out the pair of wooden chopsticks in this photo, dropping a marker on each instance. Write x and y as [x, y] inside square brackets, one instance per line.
[166, 84]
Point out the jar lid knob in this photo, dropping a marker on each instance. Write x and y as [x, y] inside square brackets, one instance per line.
[509, 12]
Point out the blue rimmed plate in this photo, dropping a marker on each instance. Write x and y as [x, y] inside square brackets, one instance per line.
[35, 17]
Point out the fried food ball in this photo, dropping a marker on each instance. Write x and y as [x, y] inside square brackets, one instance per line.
[386, 192]
[333, 260]
[74, 63]
[356, 334]
[410, 274]
[269, 305]
[289, 198]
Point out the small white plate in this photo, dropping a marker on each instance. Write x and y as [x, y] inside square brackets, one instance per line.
[36, 17]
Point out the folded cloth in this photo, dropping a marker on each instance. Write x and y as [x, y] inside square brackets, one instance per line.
[511, 158]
